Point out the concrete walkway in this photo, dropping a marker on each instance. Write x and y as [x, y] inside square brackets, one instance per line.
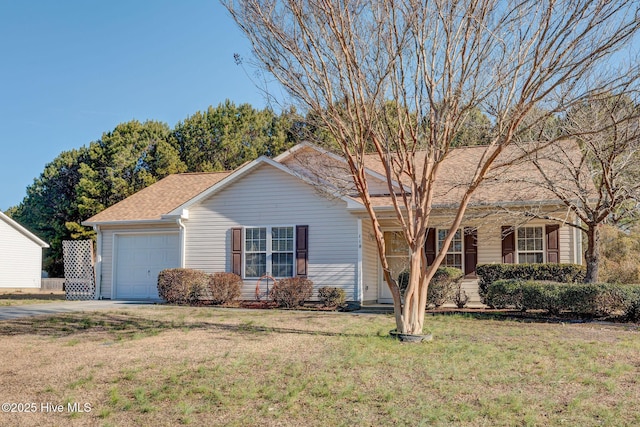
[16, 311]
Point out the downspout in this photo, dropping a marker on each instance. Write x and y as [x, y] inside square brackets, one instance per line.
[98, 265]
[182, 242]
[359, 272]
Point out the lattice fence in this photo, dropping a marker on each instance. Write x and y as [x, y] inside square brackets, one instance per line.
[79, 283]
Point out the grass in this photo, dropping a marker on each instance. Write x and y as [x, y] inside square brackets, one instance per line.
[208, 366]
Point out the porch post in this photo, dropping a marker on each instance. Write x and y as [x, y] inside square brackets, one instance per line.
[359, 272]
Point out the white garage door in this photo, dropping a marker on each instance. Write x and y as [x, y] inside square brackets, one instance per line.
[139, 259]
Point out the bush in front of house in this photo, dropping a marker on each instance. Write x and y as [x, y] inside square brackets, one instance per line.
[182, 285]
[223, 287]
[443, 285]
[563, 273]
[292, 292]
[586, 299]
[632, 309]
[331, 296]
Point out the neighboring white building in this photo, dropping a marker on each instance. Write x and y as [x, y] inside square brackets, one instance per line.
[271, 217]
[20, 255]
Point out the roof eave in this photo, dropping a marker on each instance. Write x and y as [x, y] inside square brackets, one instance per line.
[164, 220]
[384, 208]
[14, 224]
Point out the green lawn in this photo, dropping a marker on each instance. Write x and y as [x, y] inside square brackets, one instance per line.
[206, 366]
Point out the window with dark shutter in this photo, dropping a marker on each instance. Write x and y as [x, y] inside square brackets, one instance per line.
[508, 245]
[430, 246]
[236, 251]
[302, 250]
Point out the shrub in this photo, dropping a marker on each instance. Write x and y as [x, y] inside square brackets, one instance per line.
[223, 287]
[563, 273]
[505, 294]
[182, 285]
[460, 297]
[332, 297]
[632, 308]
[442, 287]
[587, 299]
[292, 292]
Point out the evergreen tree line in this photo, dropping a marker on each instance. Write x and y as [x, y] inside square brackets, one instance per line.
[82, 182]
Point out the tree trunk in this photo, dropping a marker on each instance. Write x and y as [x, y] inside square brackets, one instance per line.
[592, 253]
[415, 297]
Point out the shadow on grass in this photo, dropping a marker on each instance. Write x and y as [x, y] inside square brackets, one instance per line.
[539, 316]
[20, 296]
[125, 325]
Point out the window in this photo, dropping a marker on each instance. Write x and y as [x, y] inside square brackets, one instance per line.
[530, 245]
[282, 251]
[454, 253]
[255, 244]
[269, 250]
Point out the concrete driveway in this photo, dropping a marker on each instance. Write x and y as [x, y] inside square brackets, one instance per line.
[13, 312]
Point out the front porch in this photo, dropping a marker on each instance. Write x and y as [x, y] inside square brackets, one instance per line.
[469, 285]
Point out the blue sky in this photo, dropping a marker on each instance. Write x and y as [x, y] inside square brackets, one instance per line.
[73, 69]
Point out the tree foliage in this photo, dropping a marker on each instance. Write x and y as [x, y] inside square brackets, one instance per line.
[225, 137]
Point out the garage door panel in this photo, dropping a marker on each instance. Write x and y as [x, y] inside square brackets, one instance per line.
[139, 260]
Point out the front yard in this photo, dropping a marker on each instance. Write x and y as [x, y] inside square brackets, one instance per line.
[161, 365]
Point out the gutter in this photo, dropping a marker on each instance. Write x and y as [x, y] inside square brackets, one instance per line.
[183, 233]
[128, 222]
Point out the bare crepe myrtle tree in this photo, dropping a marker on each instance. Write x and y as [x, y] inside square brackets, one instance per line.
[400, 78]
[600, 182]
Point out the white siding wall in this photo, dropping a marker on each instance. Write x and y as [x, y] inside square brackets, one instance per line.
[268, 197]
[20, 259]
[106, 261]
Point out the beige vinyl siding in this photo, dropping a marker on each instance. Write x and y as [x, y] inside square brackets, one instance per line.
[369, 263]
[270, 197]
[490, 242]
[106, 261]
[566, 244]
[20, 259]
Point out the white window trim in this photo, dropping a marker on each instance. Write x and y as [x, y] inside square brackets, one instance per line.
[544, 243]
[461, 253]
[269, 252]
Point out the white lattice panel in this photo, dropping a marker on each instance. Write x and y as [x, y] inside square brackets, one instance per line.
[79, 283]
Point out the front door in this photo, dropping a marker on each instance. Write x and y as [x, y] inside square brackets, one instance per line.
[398, 258]
[470, 251]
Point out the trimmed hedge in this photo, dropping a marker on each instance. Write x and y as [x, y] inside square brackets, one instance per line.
[586, 299]
[292, 292]
[443, 285]
[332, 297]
[223, 287]
[188, 286]
[182, 285]
[563, 273]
